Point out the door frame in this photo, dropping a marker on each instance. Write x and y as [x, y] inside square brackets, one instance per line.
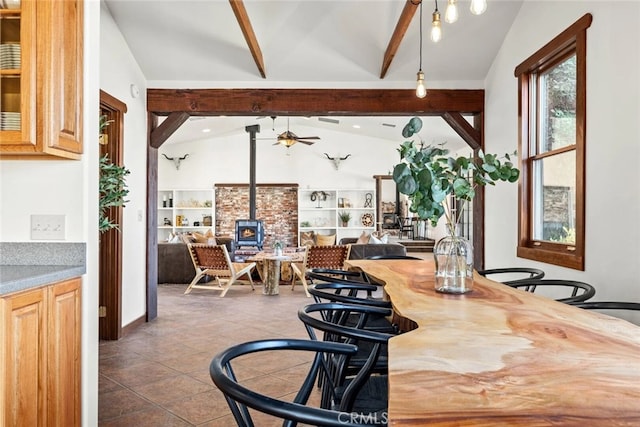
[110, 258]
[177, 105]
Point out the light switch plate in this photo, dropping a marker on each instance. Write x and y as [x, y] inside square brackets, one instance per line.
[47, 227]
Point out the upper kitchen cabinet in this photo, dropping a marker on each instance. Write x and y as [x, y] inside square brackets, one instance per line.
[41, 79]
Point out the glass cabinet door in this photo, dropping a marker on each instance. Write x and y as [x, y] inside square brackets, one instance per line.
[10, 68]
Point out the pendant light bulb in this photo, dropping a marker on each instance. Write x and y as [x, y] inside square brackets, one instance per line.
[451, 14]
[478, 6]
[421, 89]
[436, 27]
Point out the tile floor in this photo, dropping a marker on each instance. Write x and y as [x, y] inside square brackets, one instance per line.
[158, 375]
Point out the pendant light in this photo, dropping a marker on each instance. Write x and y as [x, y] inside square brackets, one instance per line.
[451, 14]
[478, 6]
[421, 89]
[436, 27]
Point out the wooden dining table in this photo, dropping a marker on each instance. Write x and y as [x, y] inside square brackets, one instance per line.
[499, 356]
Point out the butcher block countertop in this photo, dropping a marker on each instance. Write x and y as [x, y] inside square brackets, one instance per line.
[499, 356]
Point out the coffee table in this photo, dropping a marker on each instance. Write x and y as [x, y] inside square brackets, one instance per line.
[274, 269]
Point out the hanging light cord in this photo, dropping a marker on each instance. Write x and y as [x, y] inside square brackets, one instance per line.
[420, 35]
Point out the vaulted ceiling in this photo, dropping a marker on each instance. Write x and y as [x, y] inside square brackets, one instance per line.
[186, 43]
[310, 43]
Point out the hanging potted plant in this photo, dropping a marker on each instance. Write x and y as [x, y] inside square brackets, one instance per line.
[441, 185]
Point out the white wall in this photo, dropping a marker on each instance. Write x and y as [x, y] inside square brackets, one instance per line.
[70, 188]
[613, 141]
[226, 160]
[118, 71]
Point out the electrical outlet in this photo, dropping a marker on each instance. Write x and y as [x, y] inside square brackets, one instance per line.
[47, 227]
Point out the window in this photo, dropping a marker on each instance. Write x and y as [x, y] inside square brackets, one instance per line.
[552, 118]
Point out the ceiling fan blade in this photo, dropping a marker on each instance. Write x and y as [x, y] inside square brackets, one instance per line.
[307, 137]
[306, 142]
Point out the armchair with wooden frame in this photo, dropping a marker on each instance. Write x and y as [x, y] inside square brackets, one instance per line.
[214, 260]
[319, 256]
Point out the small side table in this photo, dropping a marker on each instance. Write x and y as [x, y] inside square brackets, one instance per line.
[271, 274]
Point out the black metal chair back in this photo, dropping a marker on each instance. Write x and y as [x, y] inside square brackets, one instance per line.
[521, 273]
[240, 398]
[354, 382]
[580, 291]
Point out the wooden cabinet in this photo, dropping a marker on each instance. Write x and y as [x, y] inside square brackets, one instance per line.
[40, 354]
[41, 83]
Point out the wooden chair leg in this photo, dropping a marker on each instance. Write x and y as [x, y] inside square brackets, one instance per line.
[306, 286]
[251, 282]
[194, 281]
[226, 287]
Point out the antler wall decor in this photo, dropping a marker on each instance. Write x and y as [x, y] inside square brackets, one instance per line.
[176, 160]
[337, 160]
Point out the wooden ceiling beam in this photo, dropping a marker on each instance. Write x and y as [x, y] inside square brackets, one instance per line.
[463, 128]
[406, 16]
[160, 134]
[249, 35]
[307, 102]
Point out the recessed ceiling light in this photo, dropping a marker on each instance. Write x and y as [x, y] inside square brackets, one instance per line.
[206, 130]
[356, 126]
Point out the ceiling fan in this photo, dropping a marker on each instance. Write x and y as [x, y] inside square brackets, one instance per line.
[288, 138]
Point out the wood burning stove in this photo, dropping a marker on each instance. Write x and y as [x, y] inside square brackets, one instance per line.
[249, 232]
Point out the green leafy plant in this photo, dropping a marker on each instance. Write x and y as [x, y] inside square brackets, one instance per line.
[344, 216]
[112, 186]
[429, 175]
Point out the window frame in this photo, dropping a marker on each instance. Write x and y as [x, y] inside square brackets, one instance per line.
[570, 41]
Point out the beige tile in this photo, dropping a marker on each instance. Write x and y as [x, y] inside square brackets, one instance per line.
[173, 388]
[159, 373]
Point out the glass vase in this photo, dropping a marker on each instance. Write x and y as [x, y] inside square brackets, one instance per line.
[454, 265]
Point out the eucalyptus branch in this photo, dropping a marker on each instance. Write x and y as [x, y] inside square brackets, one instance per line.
[428, 175]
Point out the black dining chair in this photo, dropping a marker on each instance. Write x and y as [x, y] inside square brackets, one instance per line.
[356, 294]
[608, 305]
[356, 382]
[405, 225]
[557, 289]
[509, 275]
[240, 397]
[337, 275]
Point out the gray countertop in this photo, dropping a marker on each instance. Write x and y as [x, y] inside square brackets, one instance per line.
[15, 278]
[26, 265]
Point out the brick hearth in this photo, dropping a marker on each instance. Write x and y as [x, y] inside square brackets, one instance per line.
[276, 206]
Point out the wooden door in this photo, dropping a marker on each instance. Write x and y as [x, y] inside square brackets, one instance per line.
[110, 274]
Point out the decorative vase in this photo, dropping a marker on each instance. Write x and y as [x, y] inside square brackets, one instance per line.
[278, 251]
[454, 265]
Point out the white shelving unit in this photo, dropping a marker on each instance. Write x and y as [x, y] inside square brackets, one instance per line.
[184, 209]
[319, 209]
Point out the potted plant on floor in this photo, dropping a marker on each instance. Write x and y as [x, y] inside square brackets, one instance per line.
[438, 185]
[345, 217]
